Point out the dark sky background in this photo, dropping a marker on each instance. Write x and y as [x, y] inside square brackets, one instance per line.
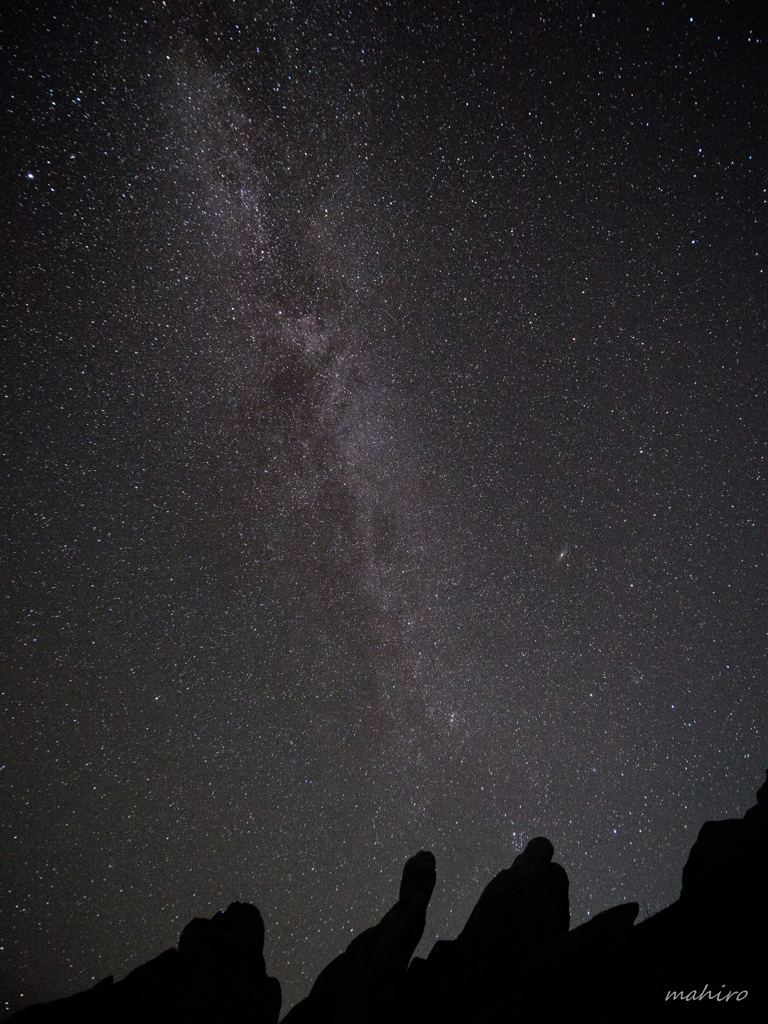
[384, 428]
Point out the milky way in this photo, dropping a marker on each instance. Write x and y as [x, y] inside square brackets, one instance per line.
[383, 415]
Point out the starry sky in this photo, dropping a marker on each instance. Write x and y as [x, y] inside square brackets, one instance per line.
[383, 429]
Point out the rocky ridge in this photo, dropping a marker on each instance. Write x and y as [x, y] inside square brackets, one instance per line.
[515, 959]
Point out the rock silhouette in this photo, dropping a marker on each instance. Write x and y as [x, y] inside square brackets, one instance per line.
[514, 960]
[217, 974]
[522, 909]
[365, 982]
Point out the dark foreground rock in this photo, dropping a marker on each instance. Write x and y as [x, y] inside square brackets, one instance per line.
[365, 983]
[703, 958]
[521, 910]
[216, 975]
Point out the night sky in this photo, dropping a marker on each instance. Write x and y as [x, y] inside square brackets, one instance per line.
[384, 422]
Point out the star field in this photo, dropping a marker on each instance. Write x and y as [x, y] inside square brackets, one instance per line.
[383, 420]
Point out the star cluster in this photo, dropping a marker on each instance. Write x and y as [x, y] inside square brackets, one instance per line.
[383, 425]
